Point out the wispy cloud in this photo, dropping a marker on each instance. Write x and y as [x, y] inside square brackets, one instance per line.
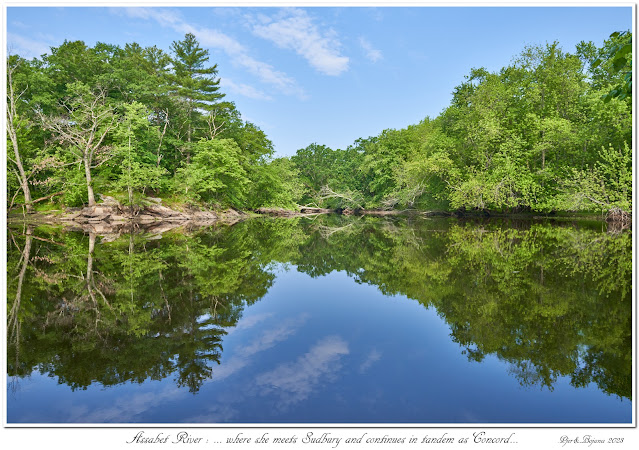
[294, 382]
[25, 47]
[293, 29]
[249, 322]
[268, 339]
[244, 90]
[124, 409]
[18, 24]
[372, 357]
[371, 52]
[212, 38]
[215, 414]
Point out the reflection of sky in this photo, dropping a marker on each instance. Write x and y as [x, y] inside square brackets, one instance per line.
[328, 350]
[294, 382]
[372, 357]
[125, 409]
[266, 340]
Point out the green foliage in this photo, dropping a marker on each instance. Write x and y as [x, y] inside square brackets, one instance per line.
[135, 117]
[524, 138]
[617, 56]
[194, 87]
[520, 139]
[137, 167]
[75, 192]
[216, 174]
[275, 184]
[606, 186]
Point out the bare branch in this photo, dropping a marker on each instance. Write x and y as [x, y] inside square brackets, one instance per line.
[166, 123]
[41, 199]
[214, 129]
[326, 192]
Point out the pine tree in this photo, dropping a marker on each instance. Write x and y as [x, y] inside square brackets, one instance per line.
[195, 84]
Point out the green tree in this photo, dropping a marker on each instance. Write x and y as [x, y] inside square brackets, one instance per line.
[275, 184]
[216, 173]
[14, 125]
[616, 58]
[135, 160]
[197, 87]
[82, 130]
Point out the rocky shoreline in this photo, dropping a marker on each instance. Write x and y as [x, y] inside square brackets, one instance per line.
[109, 216]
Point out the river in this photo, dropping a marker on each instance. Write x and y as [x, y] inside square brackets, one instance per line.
[328, 320]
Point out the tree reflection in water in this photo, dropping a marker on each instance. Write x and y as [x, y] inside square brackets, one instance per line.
[550, 299]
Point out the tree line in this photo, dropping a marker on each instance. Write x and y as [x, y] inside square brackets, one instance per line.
[552, 131]
[131, 122]
[549, 132]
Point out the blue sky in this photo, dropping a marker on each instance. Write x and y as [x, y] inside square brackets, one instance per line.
[328, 74]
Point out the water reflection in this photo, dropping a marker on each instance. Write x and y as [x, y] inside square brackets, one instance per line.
[550, 300]
[294, 382]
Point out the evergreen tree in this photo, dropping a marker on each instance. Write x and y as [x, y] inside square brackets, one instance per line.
[195, 84]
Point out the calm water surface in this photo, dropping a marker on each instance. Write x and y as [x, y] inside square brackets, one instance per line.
[325, 320]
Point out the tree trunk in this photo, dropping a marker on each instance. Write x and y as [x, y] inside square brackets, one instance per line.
[188, 145]
[89, 278]
[24, 184]
[14, 323]
[129, 188]
[11, 114]
[87, 173]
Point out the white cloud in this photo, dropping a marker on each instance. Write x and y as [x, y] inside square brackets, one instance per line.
[124, 409]
[294, 29]
[268, 339]
[291, 382]
[371, 53]
[212, 38]
[27, 48]
[372, 357]
[271, 337]
[296, 381]
[244, 90]
[249, 322]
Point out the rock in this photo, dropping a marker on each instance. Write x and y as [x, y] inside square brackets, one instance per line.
[109, 201]
[157, 228]
[100, 218]
[102, 228]
[108, 236]
[72, 216]
[204, 215]
[277, 212]
[98, 210]
[179, 218]
[162, 211]
[307, 210]
[153, 200]
[145, 218]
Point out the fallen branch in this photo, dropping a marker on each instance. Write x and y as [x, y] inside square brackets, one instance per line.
[326, 192]
[47, 240]
[47, 197]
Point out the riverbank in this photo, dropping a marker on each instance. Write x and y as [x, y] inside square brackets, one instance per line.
[109, 216]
